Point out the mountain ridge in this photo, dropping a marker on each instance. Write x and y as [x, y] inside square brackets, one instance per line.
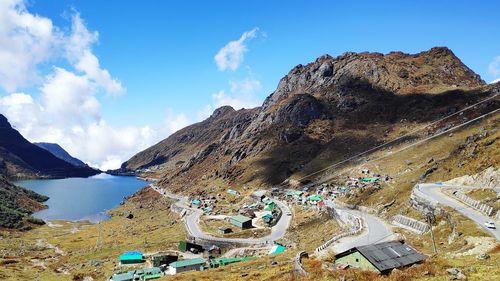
[330, 108]
[60, 153]
[19, 158]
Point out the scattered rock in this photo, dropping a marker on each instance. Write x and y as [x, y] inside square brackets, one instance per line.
[244, 274]
[483, 256]
[453, 271]
[130, 216]
[461, 276]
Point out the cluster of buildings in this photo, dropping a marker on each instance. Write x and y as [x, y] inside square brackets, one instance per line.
[305, 197]
[170, 264]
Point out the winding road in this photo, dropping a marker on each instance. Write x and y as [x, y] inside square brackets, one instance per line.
[432, 191]
[192, 219]
[375, 230]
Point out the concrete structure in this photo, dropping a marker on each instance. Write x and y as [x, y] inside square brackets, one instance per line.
[186, 265]
[381, 257]
[413, 224]
[478, 205]
[132, 257]
[241, 221]
[224, 230]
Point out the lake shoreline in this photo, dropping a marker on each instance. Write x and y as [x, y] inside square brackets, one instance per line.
[82, 199]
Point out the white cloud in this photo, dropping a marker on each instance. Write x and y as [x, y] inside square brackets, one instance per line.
[25, 41]
[495, 81]
[242, 94]
[67, 111]
[78, 49]
[70, 97]
[232, 54]
[494, 69]
[175, 122]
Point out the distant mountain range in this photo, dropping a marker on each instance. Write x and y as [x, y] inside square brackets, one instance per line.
[60, 153]
[19, 158]
[320, 113]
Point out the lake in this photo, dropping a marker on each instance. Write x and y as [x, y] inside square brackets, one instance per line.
[82, 198]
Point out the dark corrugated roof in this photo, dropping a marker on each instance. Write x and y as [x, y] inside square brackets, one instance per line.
[388, 255]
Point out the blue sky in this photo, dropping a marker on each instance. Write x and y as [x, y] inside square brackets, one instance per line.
[162, 52]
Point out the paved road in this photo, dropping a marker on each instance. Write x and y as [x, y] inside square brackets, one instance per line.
[193, 215]
[433, 192]
[375, 230]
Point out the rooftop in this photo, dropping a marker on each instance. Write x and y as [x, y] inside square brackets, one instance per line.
[183, 263]
[132, 255]
[241, 219]
[387, 255]
[123, 276]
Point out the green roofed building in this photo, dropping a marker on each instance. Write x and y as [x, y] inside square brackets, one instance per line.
[131, 257]
[129, 276]
[151, 273]
[186, 265]
[315, 198]
[369, 179]
[381, 258]
[241, 221]
[270, 206]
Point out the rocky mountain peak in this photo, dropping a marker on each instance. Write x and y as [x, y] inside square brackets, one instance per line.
[221, 111]
[396, 72]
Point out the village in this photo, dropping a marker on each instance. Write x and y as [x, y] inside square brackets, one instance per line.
[254, 218]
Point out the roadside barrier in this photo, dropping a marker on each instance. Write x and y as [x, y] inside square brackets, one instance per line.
[415, 225]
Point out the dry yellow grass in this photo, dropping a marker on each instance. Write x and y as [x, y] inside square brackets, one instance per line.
[150, 230]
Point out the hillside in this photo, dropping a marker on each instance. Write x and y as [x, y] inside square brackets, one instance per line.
[320, 113]
[60, 153]
[21, 159]
[16, 203]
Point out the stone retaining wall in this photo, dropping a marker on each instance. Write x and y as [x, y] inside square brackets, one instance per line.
[481, 207]
[413, 224]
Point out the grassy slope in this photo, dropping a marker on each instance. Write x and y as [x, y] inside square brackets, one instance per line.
[149, 231]
[17, 203]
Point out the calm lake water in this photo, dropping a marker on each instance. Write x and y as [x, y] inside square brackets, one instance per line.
[82, 198]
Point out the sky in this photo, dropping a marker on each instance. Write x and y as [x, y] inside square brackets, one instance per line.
[107, 79]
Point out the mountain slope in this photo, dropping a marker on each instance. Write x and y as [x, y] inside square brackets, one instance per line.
[16, 203]
[60, 153]
[21, 159]
[320, 113]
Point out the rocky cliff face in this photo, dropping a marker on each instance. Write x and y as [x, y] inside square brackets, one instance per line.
[321, 112]
[21, 159]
